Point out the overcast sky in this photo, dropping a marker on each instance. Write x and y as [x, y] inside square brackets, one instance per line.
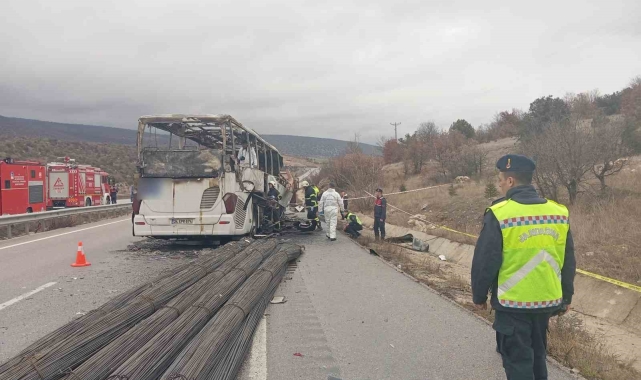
[315, 68]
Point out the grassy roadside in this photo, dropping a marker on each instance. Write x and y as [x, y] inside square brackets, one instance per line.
[569, 341]
[606, 228]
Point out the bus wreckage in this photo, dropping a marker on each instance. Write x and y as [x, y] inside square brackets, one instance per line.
[208, 176]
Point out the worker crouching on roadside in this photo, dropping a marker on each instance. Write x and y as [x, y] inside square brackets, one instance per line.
[525, 256]
[354, 224]
[330, 205]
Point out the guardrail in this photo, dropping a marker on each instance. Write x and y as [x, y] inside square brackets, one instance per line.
[8, 221]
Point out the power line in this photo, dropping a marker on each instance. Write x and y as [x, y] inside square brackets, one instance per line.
[395, 130]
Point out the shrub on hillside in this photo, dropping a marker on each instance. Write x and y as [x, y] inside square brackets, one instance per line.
[491, 191]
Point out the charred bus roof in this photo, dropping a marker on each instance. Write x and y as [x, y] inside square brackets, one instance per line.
[211, 131]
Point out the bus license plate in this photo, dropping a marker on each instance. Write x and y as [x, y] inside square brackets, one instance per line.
[182, 221]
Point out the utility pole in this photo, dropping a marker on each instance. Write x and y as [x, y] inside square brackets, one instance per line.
[395, 131]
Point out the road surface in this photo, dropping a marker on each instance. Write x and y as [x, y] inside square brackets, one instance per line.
[351, 316]
[348, 314]
[40, 291]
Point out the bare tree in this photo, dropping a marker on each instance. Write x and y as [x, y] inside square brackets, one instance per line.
[566, 151]
[609, 147]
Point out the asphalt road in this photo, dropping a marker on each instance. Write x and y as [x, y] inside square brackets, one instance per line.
[347, 315]
[351, 316]
[35, 262]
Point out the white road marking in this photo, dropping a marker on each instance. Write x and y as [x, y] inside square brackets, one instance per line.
[258, 354]
[21, 297]
[63, 234]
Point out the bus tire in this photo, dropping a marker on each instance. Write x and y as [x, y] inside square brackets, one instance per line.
[88, 202]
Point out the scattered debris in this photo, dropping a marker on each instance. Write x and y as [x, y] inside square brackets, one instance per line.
[279, 299]
[298, 354]
[442, 257]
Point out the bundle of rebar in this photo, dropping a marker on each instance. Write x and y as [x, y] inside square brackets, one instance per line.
[55, 360]
[152, 360]
[219, 284]
[206, 351]
[194, 322]
[236, 350]
[67, 330]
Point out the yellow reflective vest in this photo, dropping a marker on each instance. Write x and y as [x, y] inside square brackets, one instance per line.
[534, 238]
[356, 216]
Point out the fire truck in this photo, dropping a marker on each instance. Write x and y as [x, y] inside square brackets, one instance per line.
[22, 187]
[72, 185]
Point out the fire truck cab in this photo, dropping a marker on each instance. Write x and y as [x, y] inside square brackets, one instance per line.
[22, 187]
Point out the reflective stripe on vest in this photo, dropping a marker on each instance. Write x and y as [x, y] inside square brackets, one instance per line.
[357, 218]
[534, 238]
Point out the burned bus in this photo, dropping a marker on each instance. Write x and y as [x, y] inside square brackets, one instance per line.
[194, 180]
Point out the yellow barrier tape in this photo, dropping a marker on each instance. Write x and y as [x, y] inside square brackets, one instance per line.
[622, 284]
[611, 280]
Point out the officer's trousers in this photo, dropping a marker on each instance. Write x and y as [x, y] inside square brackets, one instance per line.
[379, 228]
[353, 228]
[522, 342]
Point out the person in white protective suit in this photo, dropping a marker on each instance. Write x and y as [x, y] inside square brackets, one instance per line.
[330, 205]
[247, 156]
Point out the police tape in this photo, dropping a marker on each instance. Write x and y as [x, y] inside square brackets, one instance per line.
[401, 192]
[622, 284]
[427, 221]
[610, 280]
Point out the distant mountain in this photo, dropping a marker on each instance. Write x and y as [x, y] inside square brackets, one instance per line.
[288, 145]
[15, 127]
[313, 146]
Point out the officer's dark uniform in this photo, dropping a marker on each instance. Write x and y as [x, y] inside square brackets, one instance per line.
[380, 214]
[520, 333]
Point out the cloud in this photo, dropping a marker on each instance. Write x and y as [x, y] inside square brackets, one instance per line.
[328, 69]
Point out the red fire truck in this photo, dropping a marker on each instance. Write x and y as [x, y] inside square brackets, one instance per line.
[72, 185]
[22, 187]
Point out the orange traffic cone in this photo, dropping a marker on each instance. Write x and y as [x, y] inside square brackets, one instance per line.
[81, 260]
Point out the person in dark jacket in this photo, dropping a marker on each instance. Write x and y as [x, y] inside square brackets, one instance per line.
[311, 202]
[114, 195]
[345, 200]
[273, 192]
[527, 262]
[380, 214]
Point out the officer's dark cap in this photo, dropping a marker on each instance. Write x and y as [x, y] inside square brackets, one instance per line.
[515, 163]
[379, 190]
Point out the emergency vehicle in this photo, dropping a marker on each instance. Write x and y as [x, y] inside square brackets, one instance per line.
[72, 185]
[22, 187]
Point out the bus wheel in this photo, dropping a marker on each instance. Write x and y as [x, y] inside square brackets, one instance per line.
[29, 210]
[88, 202]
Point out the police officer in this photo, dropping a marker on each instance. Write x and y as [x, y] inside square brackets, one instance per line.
[525, 256]
[380, 214]
[354, 225]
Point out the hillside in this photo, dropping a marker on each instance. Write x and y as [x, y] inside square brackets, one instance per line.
[303, 146]
[117, 159]
[288, 145]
